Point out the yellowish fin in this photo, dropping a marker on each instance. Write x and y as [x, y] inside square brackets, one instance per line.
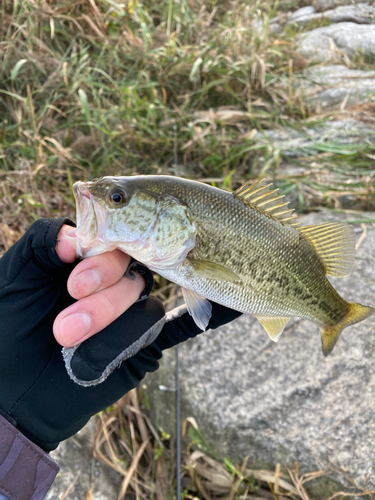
[212, 270]
[264, 200]
[274, 325]
[335, 245]
[330, 334]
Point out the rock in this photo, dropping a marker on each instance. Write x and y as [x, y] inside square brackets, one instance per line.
[323, 5]
[284, 402]
[360, 14]
[336, 87]
[301, 13]
[81, 476]
[294, 143]
[333, 43]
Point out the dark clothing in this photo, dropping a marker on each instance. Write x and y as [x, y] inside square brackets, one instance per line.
[26, 471]
[37, 396]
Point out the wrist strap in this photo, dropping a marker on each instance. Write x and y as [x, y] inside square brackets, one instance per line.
[137, 267]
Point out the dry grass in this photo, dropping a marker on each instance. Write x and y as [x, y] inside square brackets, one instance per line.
[127, 441]
[97, 87]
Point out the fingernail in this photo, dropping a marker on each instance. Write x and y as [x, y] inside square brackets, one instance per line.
[87, 282]
[74, 327]
[72, 232]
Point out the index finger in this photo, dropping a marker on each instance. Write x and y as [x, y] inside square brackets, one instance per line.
[94, 273]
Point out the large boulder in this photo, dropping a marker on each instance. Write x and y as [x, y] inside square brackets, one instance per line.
[360, 14]
[334, 42]
[336, 87]
[284, 402]
[323, 5]
[306, 141]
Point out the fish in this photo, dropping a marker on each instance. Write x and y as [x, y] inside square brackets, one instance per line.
[242, 249]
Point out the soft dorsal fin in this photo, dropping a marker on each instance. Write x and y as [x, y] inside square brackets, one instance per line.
[334, 243]
[266, 201]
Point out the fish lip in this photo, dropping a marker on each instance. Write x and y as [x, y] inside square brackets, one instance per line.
[90, 221]
[83, 205]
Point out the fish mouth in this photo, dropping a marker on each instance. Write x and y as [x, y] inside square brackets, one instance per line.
[90, 222]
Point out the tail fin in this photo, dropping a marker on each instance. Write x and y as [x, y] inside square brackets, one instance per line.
[330, 334]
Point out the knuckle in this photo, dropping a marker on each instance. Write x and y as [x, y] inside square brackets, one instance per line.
[110, 305]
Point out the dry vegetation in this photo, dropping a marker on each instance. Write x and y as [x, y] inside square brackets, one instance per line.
[94, 87]
[127, 441]
[104, 87]
[144, 456]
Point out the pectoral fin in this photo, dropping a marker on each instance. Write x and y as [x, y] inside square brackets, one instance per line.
[274, 325]
[199, 307]
[212, 270]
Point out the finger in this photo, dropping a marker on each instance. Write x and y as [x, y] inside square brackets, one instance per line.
[66, 243]
[92, 314]
[97, 273]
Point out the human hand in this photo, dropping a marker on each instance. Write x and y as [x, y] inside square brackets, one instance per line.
[98, 284]
[36, 390]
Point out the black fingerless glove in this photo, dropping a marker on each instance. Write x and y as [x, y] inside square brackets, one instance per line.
[36, 392]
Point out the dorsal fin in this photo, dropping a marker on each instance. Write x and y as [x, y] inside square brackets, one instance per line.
[334, 242]
[266, 201]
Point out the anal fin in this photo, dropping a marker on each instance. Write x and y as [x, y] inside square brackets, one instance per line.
[199, 307]
[274, 325]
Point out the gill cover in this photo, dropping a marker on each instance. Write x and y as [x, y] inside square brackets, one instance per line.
[171, 236]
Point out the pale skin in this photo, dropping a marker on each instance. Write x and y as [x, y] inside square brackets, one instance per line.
[101, 290]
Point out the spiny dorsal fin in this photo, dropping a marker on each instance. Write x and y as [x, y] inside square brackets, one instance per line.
[334, 242]
[266, 201]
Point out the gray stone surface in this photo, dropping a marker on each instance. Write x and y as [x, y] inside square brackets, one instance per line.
[295, 143]
[323, 5]
[284, 402]
[336, 87]
[302, 13]
[81, 476]
[359, 14]
[334, 42]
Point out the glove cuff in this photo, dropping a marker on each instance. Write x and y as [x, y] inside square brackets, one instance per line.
[26, 471]
[84, 374]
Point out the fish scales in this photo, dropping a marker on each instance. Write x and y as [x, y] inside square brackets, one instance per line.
[223, 247]
[249, 242]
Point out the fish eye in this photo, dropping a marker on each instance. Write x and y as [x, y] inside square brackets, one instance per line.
[118, 196]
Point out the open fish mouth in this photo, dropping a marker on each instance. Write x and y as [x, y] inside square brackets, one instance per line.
[90, 223]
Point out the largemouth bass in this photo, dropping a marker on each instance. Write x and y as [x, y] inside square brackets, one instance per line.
[241, 249]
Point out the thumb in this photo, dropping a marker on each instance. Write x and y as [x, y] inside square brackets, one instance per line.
[66, 244]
